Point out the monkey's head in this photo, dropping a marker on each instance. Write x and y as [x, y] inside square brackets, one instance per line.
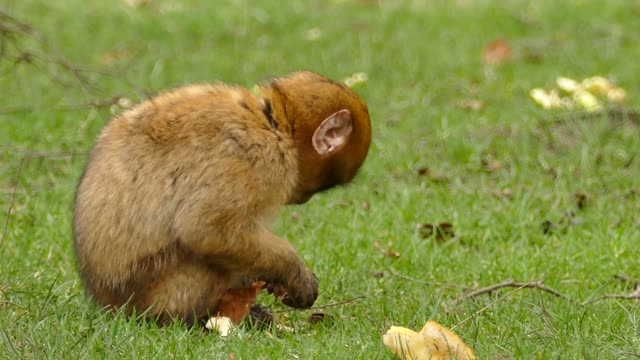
[330, 125]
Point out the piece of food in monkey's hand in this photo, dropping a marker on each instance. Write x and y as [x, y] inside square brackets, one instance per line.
[236, 303]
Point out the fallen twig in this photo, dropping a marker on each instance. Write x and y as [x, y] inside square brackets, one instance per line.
[485, 307]
[626, 278]
[13, 198]
[508, 283]
[632, 296]
[512, 283]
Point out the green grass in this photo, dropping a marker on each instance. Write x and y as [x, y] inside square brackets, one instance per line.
[422, 58]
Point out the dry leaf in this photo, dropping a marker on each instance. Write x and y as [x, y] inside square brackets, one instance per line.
[318, 317]
[547, 227]
[497, 52]
[434, 342]
[470, 105]
[236, 303]
[581, 199]
[387, 252]
[423, 171]
[442, 231]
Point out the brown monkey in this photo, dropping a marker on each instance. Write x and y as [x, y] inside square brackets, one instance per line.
[175, 204]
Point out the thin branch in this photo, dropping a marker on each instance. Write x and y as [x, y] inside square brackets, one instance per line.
[11, 202]
[505, 284]
[626, 278]
[16, 50]
[633, 296]
[430, 283]
[484, 308]
[512, 283]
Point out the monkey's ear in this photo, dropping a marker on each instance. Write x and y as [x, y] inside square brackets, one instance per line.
[332, 132]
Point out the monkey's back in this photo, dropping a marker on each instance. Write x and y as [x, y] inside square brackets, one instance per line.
[198, 146]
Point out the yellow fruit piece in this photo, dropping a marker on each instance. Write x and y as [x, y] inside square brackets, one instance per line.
[356, 79]
[597, 85]
[550, 100]
[587, 100]
[397, 339]
[434, 342]
[567, 84]
[616, 95]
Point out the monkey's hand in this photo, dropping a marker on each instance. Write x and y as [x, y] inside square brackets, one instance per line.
[300, 292]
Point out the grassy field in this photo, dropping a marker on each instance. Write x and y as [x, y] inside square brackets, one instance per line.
[530, 194]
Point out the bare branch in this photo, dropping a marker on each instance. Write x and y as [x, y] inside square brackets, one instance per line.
[514, 284]
[626, 278]
[633, 296]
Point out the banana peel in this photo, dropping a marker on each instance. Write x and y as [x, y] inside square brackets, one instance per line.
[434, 342]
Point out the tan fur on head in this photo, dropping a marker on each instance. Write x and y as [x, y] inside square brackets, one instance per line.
[175, 204]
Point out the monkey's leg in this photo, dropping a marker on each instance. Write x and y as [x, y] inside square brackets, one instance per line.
[186, 290]
[257, 254]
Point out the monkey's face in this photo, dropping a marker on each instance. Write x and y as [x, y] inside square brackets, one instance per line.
[331, 127]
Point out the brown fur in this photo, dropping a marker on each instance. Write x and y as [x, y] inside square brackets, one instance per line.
[175, 205]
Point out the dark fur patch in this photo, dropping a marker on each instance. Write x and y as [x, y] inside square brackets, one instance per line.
[268, 112]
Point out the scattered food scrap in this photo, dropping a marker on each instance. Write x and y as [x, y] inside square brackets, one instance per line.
[497, 52]
[222, 324]
[356, 79]
[589, 94]
[434, 342]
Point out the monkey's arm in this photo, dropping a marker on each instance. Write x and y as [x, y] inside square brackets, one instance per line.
[249, 248]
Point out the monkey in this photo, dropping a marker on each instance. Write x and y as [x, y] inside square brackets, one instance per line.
[175, 205]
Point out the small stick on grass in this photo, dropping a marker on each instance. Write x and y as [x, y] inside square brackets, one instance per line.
[505, 284]
[633, 296]
[626, 278]
[512, 283]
